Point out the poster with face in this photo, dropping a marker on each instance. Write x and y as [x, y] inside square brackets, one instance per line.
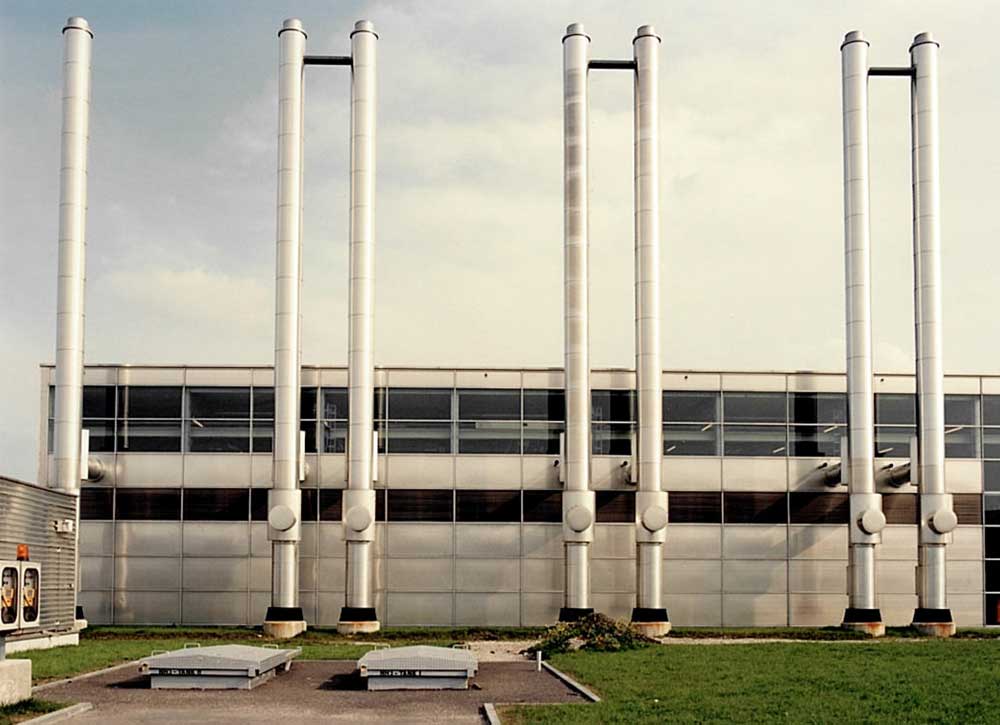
[8, 595]
[29, 588]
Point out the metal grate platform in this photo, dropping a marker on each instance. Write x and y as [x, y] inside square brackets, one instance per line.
[220, 667]
[419, 667]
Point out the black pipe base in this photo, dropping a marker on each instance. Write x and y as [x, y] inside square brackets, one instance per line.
[854, 615]
[922, 615]
[284, 614]
[650, 614]
[79, 612]
[572, 614]
[358, 614]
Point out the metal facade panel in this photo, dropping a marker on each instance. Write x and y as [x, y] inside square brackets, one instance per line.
[333, 470]
[817, 383]
[694, 610]
[615, 605]
[541, 541]
[147, 573]
[261, 470]
[423, 609]
[897, 609]
[216, 470]
[805, 474]
[331, 540]
[328, 606]
[150, 470]
[337, 377]
[216, 575]
[309, 543]
[612, 380]
[539, 472]
[239, 377]
[147, 538]
[128, 375]
[488, 540]
[542, 379]
[259, 602]
[97, 538]
[753, 541]
[607, 472]
[487, 575]
[542, 575]
[132, 607]
[419, 575]
[612, 575]
[817, 541]
[691, 381]
[692, 474]
[613, 541]
[754, 610]
[540, 609]
[487, 610]
[895, 384]
[963, 476]
[264, 378]
[218, 538]
[488, 472]
[816, 610]
[754, 474]
[259, 545]
[693, 541]
[758, 382]
[260, 574]
[965, 577]
[415, 471]
[899, 542]
[107, 460]
[817, 577]
[488, 379]
[96, 605]
[961, 385]
[333, 571]
[896, 577]
[215, 608]
[692, 577]
[966, 544]
[414, 378]
[419, 540]
[754, 577]
[966, 609]
[96, 572]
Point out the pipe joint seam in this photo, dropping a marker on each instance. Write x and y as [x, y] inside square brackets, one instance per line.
[284, 514]
[578, 516]
[359, 514]
[651, 517]
[937, 518]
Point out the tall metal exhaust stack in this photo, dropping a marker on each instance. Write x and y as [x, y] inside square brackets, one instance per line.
[867, 519]
[578, 500]
[284, 617]
[358, 613]
[70, 317]
[649, 613]
[937, 518]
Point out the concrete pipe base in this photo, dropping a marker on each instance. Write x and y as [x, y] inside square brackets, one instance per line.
[868, 621]
[653, 629]
[358, 627]
[284, 629]
[358, 620]
[872, 629]
[934, 622]
[652, 622]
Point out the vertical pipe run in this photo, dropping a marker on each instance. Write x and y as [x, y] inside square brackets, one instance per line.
[651, 505]
[937, 518]
[359, 613]
[859, 469]
[284, 509]
[578, 499]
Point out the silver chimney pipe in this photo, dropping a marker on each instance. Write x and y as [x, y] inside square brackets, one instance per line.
[284, 617]
[578, 500]
[78, 39]
[937, 519]
[358, 613]
[867, 520]
[651, 501]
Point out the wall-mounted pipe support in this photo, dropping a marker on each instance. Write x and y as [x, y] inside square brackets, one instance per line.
[859, 464]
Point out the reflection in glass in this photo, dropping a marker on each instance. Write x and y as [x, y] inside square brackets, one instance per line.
[99, 401]
[961, 410]
[263, 436]
[489, 404]
[754, 407]
[542, 438]
[893, 441]
[895, 409]
[419, 437]
[218, 436]
[219, 402]
[612, 439]
[489, 437]
[991, 476]
[263, 403]
[698, 439]
[961, 442]
[816, 441]
[818, 408]
[102, 435]
[335, 436]
[991, 509]
[419, 404]
[690, 407]
[140, 436]
[335, 404]
[991, 410]
[616, 405]
[753, 440]
[544, 405]
[991, 442]
[149, 401]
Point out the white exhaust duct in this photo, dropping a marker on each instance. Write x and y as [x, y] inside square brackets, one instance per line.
[867, 520]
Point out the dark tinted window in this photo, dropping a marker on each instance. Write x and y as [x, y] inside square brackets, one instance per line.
[615, 507]
[219, 402]
[543, 507]
[102, 435]
[991, 442]
[307, 403]
[991, 509]
[335, 437]
[335, 404]
[495, 506]
[149, 436]
[489, 437]
[218, 436]
[216, 504]
[993, 609]
[690, 407]
[612, 439]
[961, 410]
[991, 548]
[968, 508]
[97, 504]
[489, 404]
[991, 410]
[263, 437]
[991, 475]
[258, 504]
[815, 408]
[98, 401]
[615, 405]
[818, 508]
[893, 442]
[992, 576]
[754, 407]
[755, 508]
[695, 439]
[149, 402]
[814, 440]
[544, 405]
[541, 438]
[419, 404]
[331, 504]
[694, 507]
[148, 504]
[407, 437]
[263, 403]
[961, 442]
[420, 505]
[895, 409]
[310, 504]
[900, 508]
[753, 440]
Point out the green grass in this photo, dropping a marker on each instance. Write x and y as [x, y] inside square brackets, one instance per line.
[890, 681]
[27, 709]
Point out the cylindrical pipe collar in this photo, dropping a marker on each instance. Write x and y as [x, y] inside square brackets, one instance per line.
[575, 29]
[855, 36]
[364, 26]
[78, 23]
[292, 24]
[923, 39]
[646, 31]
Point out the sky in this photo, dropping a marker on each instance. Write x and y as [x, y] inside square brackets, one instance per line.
[182, 185]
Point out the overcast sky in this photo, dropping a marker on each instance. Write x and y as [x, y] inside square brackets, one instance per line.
[469, 189]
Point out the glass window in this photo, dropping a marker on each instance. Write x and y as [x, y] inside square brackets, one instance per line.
[993, 609]
[806, 507]
[148, 504]
[263, 437]
[149, 436]
[149, 402]
[542, 507]
[489, 404]
[817, 408]
[690, 407]
[98, 401]
[993, 576]
[961, 442]
[219, 403]
[900, 508]
[258, 504]
[753, 440]
[816, 441]
[419, 437]
[331, 504]
[263, 403]
[218, 436]
[612, 439]
[419, 404]
[97, 504]
[544, 405]
[893, 442]
[961, 410]
[895, 409]
[542, 438]
[489, 437]
[991, 442]
[992, 545]
[754, 407]
[755, 508]
[216, 504]
[991, 509]
[695, 439]
[310, 504]
[694, 507]
[307, 403]
[615, 507]
[991, 410]
[335, 437]
[420, 505]
[309, 428]
[616, 405]
[493, 506]
[335, 404]
[991, 475]
[102, 435]
[968, 508]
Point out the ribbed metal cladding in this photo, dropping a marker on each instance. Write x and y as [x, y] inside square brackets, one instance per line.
[648, 366]
[361, 370]
[859, 468]
[287, 326]
[27, 514]
[928, 321]
[78, 40]
[576, 455]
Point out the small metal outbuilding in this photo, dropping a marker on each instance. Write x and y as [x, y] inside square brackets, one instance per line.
[220, 667]
[419, 667]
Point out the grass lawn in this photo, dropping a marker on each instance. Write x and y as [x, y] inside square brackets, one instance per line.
[26, 710]
[845, 682]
